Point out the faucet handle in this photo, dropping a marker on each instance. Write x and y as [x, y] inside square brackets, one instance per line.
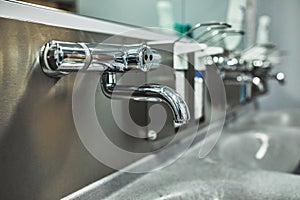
[280, 77]
[60, 58]
[139, 56]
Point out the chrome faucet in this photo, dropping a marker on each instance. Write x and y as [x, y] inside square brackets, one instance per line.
[243, 79]
[148, 93]
[263, 69]
[60, 58]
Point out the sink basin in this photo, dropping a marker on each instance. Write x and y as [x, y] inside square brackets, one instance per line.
[197, 190]
[232, 171]
[238, 168]
[283, 118]
[214, 190]
[289, 119]
[256, 162]
[275, 149]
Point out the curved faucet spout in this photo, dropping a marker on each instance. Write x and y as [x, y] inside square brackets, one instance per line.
[148, 93]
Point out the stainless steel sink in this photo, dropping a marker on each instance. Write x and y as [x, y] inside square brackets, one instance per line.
[283, 118]
[209, 190]
[264, 119]
[268, 140]
[183, 190]
[211, 179]
[275, 149]
[254, 164]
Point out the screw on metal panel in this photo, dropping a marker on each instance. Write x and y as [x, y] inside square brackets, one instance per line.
[152, 135]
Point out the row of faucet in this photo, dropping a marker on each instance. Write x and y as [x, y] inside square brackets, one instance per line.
[252, 65]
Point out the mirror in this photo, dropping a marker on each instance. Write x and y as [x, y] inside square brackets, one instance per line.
[235, 16]
[178, 15]
[145, 13]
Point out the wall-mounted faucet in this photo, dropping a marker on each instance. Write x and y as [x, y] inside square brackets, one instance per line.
[243, 79]
[60, 58]
[262, 68]
[148, 93]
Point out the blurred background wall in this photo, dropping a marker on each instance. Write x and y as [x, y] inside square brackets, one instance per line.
[145, 12]
[285, 32]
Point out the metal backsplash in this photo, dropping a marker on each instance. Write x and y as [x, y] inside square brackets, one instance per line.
[41, 155]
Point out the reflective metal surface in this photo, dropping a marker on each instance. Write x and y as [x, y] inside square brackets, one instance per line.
[214, 177]
[281, 119]
[41, 154]
[275, 149]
